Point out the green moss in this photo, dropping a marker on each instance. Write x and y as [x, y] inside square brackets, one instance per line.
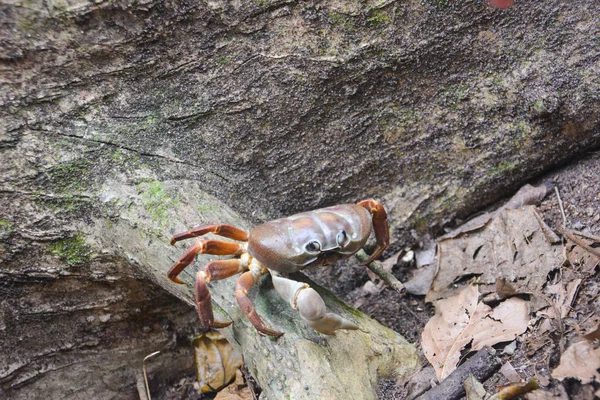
[341, 20]
[538, 107]
[379, 18]
[73, 250]
[438, 3]
[224, 60]
[502, 168]
[453, 95]
[71, 177]
[157, 202]
[150, 122]
[6, 226]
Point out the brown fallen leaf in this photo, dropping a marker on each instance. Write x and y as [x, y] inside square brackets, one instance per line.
[461, 320]
[527, 195]
[562, 295]
[541, 394]
[510, 373]
[580, 361]
[234, 392]
[216, 361]
[513, 390]
[580, 257]
[594, 334]
[474, 390]
[512, 246]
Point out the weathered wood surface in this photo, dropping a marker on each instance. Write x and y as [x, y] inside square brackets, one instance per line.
[124, 122]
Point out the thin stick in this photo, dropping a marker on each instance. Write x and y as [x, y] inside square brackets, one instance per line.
[145, 375]
[587, 236]
[378, 270]
[579, 242]
[560, 204]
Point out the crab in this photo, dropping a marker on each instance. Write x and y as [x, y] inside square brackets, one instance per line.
[279, 247]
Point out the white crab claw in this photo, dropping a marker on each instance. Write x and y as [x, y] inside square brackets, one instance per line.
[310, 305]
[313, 311]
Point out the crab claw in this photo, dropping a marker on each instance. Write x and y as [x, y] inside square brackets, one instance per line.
[313, 311]
[380, 226]
[311, 306]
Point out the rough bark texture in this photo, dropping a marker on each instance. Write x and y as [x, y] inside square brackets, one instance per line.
[124, 122]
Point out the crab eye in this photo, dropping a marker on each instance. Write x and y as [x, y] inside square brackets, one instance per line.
[313, 247]
[341, 238]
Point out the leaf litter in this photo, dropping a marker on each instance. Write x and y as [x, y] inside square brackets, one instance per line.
[512, 246]
[462, 320]
[520, 265]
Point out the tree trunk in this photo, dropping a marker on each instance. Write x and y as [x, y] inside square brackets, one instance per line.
[124, 122]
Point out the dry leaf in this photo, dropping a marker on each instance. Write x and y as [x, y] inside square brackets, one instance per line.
[513, 390]
[527, 195]
[510, 373]
[582, 258]
[541, 394]
[461, 320]
[511, 246]
[420, 281]
[474, 390]
[216, 361]
[594, 334]
[234, 392]
[579, 361]
[562, 294]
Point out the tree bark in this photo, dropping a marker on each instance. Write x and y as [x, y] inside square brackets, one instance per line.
[124, 122]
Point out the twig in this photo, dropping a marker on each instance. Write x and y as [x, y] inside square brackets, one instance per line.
[378, 270]
[146, 375]
[560, 204]
[482, 365]
[578, 241]
[587, 236]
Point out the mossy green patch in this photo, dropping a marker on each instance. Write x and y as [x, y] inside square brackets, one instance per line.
[341, 20]
[453, 95]
[73, 176]
[157, 202]
[438, 3]
[502, 168]
[6, 226]
[379, 18]
[73, 250]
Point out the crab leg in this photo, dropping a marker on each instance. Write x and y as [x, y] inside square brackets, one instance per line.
[224, 230]
[203, 246]
[380, 226]
[310, 305]
[215, 270]
[244, 283]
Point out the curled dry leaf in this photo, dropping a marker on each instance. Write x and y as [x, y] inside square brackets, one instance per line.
[580, 361]
[216, 361]
[515, 389]
[512, 245]
[461, 320]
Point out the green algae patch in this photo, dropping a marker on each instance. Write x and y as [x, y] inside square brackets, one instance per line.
[157, 201]
[73, 250]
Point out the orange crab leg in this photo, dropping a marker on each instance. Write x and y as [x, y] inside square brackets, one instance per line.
[243, 285]
[214, 270]
[380, 226]
[224, 230]
[202, 246]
